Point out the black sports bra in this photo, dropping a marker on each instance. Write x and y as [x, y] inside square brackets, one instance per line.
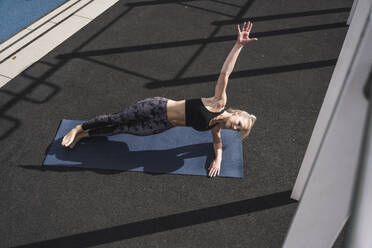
[198, 116]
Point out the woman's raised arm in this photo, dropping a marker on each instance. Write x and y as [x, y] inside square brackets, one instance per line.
[228, 66]
[242, 39]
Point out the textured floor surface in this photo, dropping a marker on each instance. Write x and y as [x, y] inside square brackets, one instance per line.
[175, 49]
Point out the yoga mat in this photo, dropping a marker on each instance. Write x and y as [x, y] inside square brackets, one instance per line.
[15, 15]
[179, 150]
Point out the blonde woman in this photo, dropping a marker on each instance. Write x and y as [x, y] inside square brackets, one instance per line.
[157, 114]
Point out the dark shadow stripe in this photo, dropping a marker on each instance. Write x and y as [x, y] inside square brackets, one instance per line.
[282, 16]
[207, 10]
[156, 2]
[169, 222]
[244, 73]
[165, 45]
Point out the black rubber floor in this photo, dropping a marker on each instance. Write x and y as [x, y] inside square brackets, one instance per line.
[175, 49]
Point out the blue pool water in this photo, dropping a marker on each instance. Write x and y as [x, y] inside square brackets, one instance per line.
[15, 15]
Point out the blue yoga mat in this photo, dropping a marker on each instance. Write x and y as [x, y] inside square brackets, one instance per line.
[15, 15]
[179, 150]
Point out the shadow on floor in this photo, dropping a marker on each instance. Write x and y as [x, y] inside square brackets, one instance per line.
[170, 222]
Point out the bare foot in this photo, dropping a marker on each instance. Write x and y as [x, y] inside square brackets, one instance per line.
[69, 138]
[77, 138]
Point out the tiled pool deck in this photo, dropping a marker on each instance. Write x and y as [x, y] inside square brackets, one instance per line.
[32, 43]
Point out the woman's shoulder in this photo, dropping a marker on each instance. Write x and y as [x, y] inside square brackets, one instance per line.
[221, 102]
[214, 103]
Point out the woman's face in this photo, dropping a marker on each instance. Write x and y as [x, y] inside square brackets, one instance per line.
[236, 121]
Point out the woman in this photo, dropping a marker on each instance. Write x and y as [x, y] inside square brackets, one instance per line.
[157, 114]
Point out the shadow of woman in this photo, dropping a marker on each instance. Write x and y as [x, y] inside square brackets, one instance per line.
[101, 153]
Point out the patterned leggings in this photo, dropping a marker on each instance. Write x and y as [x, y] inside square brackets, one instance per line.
[145, 117]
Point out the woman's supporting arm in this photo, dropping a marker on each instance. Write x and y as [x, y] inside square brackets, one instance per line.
[217, 145]
[217, 141]
[215, 167]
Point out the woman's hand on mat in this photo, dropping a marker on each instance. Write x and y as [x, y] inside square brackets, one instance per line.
[243, 35]
[214, 168]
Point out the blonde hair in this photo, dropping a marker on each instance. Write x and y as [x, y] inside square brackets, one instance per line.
[252, 119]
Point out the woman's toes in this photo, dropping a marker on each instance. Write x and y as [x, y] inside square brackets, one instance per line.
[72, 145]
[64, 140]
[76, 139]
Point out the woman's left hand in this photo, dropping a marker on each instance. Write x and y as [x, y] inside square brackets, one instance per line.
[243, 35]
[214, 168]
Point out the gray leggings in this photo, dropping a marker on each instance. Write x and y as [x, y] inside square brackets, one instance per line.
[145, 117]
